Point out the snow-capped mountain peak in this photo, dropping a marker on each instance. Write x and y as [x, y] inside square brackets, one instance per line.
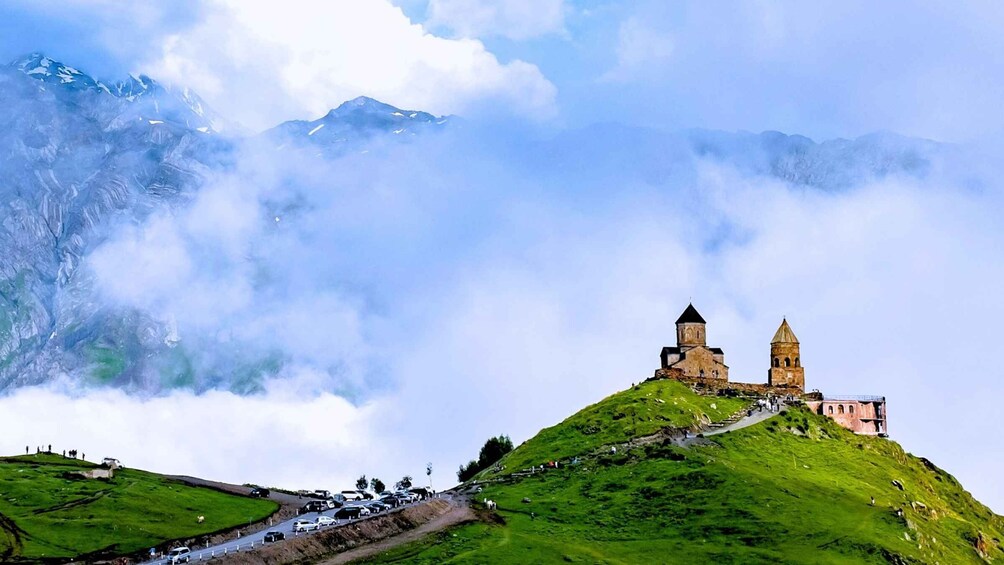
[139, 97]
[50, 71]
[353, 121]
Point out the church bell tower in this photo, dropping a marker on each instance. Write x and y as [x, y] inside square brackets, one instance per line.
[691, 329]
[785, 359]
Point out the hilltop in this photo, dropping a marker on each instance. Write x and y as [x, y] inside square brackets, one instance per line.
[794, 488]
[47, 515]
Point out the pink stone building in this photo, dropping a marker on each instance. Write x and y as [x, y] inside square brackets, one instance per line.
[864, 415]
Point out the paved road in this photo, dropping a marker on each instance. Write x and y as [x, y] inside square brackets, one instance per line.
[257, 539]
[747, 421]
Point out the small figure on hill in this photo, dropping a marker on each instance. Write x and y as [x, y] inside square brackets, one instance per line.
[83, 456]
[50, 449]
[26, 450]
[64, 453]
[873, 501]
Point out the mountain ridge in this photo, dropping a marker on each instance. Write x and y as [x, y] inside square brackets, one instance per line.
[82, 155]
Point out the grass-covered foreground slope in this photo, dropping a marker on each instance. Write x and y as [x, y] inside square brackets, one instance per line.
[46, 516]
[794, 489]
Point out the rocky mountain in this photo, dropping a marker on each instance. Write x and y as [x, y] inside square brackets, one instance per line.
[352, 123]
[79, 155]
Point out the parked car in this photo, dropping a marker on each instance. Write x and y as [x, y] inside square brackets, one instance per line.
[376, 506]
[349, 512]
[304, 526]
[408, 496]
[314, 506]
[324, 521]
[259, 492]
[366, 495]
[274, 536]
[392, 501]
[321, 494]
[180, 555]
[352, 495]
[422, 492]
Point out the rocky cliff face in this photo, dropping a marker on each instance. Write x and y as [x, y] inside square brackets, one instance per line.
[78, 155]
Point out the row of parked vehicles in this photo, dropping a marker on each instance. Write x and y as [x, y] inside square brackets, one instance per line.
[348, 504]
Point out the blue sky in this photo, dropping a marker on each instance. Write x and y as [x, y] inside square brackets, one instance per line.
[826, 69]
[469, 264]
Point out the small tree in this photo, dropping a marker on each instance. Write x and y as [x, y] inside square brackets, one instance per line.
[404, 483]
[490, 453]
[428, 473]
[493, 450]
[466, 472]
[362, 483]
[377, 485]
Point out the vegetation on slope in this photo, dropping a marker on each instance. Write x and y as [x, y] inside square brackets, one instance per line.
[795, 489]
[46, 515]
[642, 410]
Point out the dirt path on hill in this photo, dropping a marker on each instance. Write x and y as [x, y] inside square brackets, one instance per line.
[459, 514]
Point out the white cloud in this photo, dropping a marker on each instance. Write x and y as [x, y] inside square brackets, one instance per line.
[639, 48]
[279, 438]
[261, 63]
[515, 19]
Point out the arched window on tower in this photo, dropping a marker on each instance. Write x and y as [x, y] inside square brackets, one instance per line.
[840, 409]
[831, 409]
[787, 362]
[797, 362]
[850, 408]
[777, 362]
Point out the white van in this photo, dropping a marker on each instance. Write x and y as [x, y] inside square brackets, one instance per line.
[180, 555]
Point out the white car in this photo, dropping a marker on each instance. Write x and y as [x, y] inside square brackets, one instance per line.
[352, 495]
[304, 526]
[180, 555]
[324, 521]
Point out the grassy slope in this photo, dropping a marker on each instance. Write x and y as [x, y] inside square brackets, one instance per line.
[639, 411]
[793, 489]
[65, 518]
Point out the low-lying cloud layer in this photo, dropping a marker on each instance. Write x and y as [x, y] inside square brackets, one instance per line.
[454, 290]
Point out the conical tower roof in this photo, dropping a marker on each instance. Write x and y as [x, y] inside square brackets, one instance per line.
[690, 316]
[784, 334]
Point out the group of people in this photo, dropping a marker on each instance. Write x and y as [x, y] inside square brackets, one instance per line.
[48, 449]
[771, 404]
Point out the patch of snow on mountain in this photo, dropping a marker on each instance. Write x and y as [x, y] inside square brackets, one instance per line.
[315, 130]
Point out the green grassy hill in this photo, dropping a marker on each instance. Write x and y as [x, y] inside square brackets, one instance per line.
[46, 516]
[796, 488]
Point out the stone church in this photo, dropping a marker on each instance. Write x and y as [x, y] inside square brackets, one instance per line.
[692, 358]
[704, 368]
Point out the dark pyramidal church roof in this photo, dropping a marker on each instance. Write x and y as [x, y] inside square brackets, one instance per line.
[690, 316]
